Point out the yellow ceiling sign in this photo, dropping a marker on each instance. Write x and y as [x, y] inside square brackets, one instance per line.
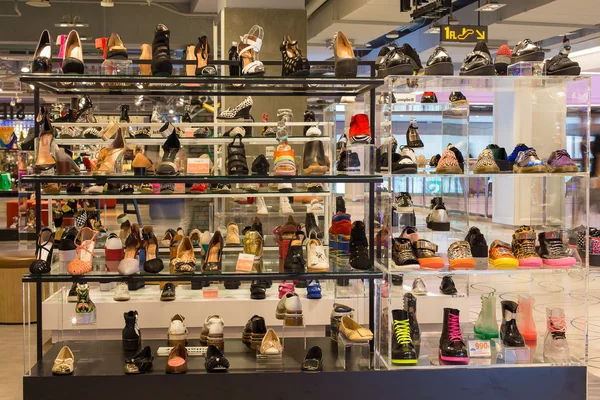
[463, 33]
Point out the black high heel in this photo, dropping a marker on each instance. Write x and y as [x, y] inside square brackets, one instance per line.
[142, 362]
[294, 64]
[124, 113]
[202, 53]
[161, 52]
[43, 54]
[43, 252]
[214, 255]
[171, 147]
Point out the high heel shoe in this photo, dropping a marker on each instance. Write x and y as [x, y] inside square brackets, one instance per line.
[140, 363]
[123, 219]
[124, 114]
[45, 143]
[129, 265]
[242, 110]
[294, 64]
[202, 52]
[212, 262]
[65, 165]
[43, 54]
[142, 165]
[43, 252]
[185, 260]
[113, 162]
[346, 64]
[116, 48]
[190, 54]
[248, 49]
[86, 241]
[73, 58]
[153, 264]
[161, 52]
[146, 69]
[170, 148]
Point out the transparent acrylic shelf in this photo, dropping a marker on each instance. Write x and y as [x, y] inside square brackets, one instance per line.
[182, 195]
[471, 174]
[192, 141]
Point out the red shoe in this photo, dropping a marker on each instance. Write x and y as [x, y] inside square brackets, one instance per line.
[360, 130]
[502, 60]
[199, 188]
[101, 44]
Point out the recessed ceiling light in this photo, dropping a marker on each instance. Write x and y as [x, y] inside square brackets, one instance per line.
[25, 69]
[107, 3]
[492, 5]
[392, 35]
[38, 3]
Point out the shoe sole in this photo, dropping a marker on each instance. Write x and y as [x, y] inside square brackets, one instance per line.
[454, 360]
[405, 267]
[485, 335]
[439, 226]
[488, 169]
[462, 263]
[564, 170]
[346, 67]
[174, 340]
[536, 56]
[535, 169]
[293, 319]
[570, 71]
[565, 262]
[256, 339]
[504, 263]
[403, 69]
[432, 263]
[530, 262]
[448, 170]
[316, 170]
[440, 69]
[216, 340]
[404, 362]
[486, 70]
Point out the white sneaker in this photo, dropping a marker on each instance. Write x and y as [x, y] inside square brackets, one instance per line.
[315, 253]
[122, 292]
[314, 131]
[348, 99]
[250, 187]
[177, 332]
[285, 208]
[262, 207]
[293, 310]
[316, 207]
[212, 331]
[285, 187]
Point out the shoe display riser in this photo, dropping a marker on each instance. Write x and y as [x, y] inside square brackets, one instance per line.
[190, 303]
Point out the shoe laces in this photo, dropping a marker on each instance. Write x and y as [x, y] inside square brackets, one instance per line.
[454, 328]
[557, 326]
[402, 331]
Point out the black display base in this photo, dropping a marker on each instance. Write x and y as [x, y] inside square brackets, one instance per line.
[99, 375]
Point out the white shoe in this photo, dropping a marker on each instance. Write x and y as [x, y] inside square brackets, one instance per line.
[285, 208]
[285, 187]
[273, 187]
[122, 292]
[250, 187]
[348, 99]
[314, 131]
[315, 253]
[177, 332]
[316, 207]
[293, 310]
[212, 331]
[156, 117]
[96, 189]
[262, 207]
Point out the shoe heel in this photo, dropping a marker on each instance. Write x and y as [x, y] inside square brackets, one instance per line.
[132, 344]
[293, 320]
[256, 340]
[217, 341]
[346, 67]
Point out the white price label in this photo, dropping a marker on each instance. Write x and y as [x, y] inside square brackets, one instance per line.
[480, 348]
[270, 150]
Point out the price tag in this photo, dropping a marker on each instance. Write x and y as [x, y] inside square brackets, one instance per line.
[210, 293]
[270, 150]
[198, 166]
[244, 262]
[189, 132]
[480, 348]
[179, 187]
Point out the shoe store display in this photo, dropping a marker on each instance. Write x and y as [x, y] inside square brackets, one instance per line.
[554, 250]
[439, 63]
[418, 287]
[509, 331]
[501, 256]
[132, 337]
[486, 326]
[556, 347]
[403, 351]
[447, 286]
[523, 247]
[452, 348]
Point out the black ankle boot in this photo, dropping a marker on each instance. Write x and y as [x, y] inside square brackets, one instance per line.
[311, 225]
[124, 113]
[403, 350]
[410, 305]
[340, 204]
[359, 247]
[452, 348]
[161, 52]
[294, 260]
[132, 337]
[509, 332]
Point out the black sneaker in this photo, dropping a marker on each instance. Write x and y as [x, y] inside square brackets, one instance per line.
[526, 50]
[562, 65]
[258, 290]
[479, 247]
[439, 63]
[447, 286]
[403, 203]
[412, 135]
[478, 62]
[260, 165]
[403, 254]
[428, 98]
[359, 247]
[413, 55]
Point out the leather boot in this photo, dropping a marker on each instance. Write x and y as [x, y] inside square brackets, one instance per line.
[452, 347]
[132, 337]
[509, 332]
[314, 161]
[359, 247]
[410, 306]
[403, 350]
[311, 225]
[294, 260]
[161, 52]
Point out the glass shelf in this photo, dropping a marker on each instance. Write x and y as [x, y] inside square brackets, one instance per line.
[192, 85]
[477, 83]
[182, 195]
[192, 141]
[471, 174]
[191, 178]
[183, 125]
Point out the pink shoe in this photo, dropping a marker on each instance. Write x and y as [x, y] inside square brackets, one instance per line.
[285, 288]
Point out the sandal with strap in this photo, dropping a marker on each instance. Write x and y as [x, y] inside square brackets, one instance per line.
[248, 49]
[202, 53]
[85, 252]
[294, 64]
[236, 158]
[43, 252]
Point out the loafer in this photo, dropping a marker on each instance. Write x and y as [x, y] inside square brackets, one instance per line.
[215, 360]
[313, 361]
[354, 331]
[177, 361]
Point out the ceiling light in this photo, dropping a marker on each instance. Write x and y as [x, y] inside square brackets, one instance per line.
[68, 21]
[171, 111]
[452, 20]
[434, 28]
[140, 86]
[12, 102]
[30, 87]
[492, 5]
[25, 69]
[107, 3]
[38, 3]
[392, 35]
[367, 44]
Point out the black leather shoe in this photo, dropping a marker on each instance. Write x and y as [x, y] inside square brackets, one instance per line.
[215, 361]
[509, 332]
[447, 286]
[479, 247]
[395, 62]
[43, 54]
[236, 157]
[359, 247]
[403, 350]
[562, 65]
[413, 139]
[526, 50]
[168, 292]
[311, 225]
[313, 361]
[412, 54]
[140, 363]
[478, 62]
[254, 331]
[161, 52]
[260, 165]
[258, 290]
[43, 252]
[132, 337]
[429, 97]
[439, 63]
